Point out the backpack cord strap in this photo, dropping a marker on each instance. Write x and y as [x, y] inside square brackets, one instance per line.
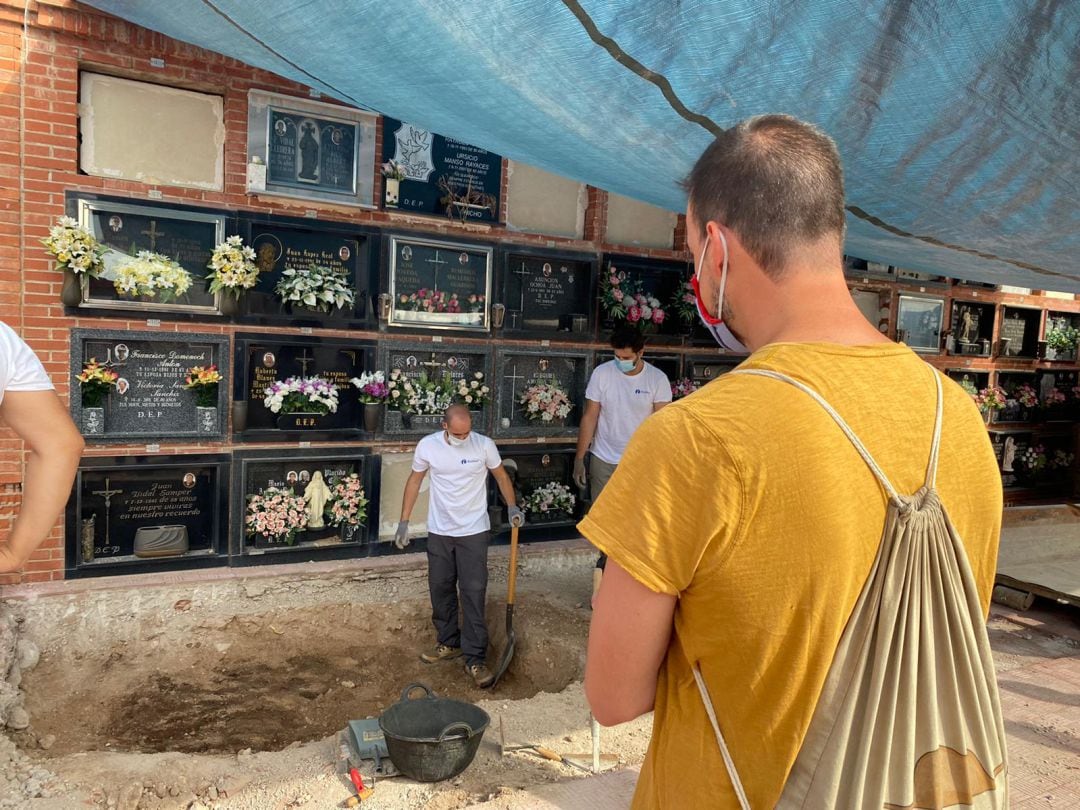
[736, 783]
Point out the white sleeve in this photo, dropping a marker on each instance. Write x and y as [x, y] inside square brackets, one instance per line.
[20, 370]
[663, 387]
[595, 389]
[420, 462]
[491, 455]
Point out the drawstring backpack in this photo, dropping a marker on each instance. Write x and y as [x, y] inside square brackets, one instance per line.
[909, 716]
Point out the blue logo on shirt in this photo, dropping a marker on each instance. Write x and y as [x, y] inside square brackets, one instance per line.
[470, 461]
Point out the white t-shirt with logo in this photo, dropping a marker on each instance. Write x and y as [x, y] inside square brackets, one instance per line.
[625, 402]
[20, 370]
[458, 477]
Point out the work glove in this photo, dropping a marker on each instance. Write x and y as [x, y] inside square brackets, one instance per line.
[517, 517]
[401, 536]
[579, 472]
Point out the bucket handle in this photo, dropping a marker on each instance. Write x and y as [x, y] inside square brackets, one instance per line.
[409, 689]
[460, 724]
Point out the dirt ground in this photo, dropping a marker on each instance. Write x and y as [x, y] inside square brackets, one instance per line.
[231, 697]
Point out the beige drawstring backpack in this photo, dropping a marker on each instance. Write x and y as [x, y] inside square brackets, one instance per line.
[909, 716]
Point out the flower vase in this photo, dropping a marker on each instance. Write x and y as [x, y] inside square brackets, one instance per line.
[373, 416]
[93, 421]
[71, 291]
[231, 304]
[393, 191]
[239, 415]
[206, 420]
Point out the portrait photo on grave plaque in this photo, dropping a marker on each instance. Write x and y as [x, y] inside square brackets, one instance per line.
[148, 512]
[132, 385]
[302, 501]
[549, 293]
[300, 385]
[155, 255]
[652, 295]
[424, 379]
[310, 150]
[329, 258]
[442, 176]
[919, 323]
[439, 285]
[539, 393]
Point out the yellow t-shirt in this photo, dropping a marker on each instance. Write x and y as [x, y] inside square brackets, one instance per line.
[747, 502]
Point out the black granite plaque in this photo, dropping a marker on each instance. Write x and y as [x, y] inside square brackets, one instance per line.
[529, 471]
[186, 235]
[149, 400]
[311, 152]
[1015, 410]
[279, 248]
[261, 361]
[548, 294]
[517, 371]
[662, 280]
[162, 509]
[439, 284]
[704, 370]
[415, 360]
[1019, 333]
[972, 328]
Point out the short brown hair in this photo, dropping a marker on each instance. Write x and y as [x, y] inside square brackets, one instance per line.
[628, 337]
[775, 181]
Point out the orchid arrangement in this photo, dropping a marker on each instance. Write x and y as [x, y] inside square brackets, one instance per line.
[683, 387]
[151, 275]
[276, 514]
[991, 398]
[75, 248]
[1025, 395]
[301, 395]
[473, 392]
[315, 287]
[550, 497]
[373, 387]
[545, 402]
[347, 504]
[393, 170]
[95, 383]
[203, 382]
[232, 267]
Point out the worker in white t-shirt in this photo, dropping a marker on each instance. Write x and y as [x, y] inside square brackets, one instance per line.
[621, 394]
[31, 408]
[459, 460]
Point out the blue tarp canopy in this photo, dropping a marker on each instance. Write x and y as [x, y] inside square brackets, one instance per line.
[958, 122]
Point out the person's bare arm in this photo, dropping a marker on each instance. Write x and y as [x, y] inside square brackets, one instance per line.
[587, 428]
[506, 486]
[412, 492]
[55, 446]
[628, 639]
[658, 405]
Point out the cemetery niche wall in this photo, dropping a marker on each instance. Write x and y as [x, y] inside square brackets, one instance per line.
[137, 512]
[307, 374]
[139, 385]
[132, 230]
[549, 294]
[544, 488]
[318, 503]
[540, 393]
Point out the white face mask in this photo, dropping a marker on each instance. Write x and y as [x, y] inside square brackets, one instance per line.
[716, 326]
[455, 441]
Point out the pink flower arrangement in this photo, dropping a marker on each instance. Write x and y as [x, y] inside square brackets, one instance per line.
[276, 514]
[545, 402]
[1025, 395]
[373, 387]
[992, 398]
[683, 387]
[1054, 397]
[550, 497]
[425, 300]
[684, 303]
[347, 505]
[623, 300]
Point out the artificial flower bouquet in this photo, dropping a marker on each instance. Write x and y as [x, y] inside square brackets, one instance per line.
[393, 170]
[151, 275]
[347, 504]
[550, 498]
[320, 288]
[372, 386]
[683, 387]
[74, 248]
[276, 514]
[624, 301]
[472, 392]
[301, 395]
[545, 402]
[203, 382]
[991, 398]
[232, 267]
[95, 383]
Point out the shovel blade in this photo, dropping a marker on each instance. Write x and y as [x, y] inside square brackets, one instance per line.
[511, 642]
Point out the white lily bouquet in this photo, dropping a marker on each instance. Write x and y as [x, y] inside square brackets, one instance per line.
[151, 275]
[232, 267]
[74, 248]
[315, 287]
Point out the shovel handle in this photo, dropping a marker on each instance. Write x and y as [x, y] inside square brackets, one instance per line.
[511, 587]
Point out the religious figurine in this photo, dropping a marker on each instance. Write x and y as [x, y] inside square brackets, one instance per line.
[1008, 455]
[317, 493]
[969, 327]
[309, 154]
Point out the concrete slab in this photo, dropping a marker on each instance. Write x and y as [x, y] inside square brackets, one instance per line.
[1040, 551]
[609, 791]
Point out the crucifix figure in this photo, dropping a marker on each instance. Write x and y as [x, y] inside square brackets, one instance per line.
[431, 365]
[513, 376]
[523, 273]
[435, 268]
[107, 494]
[304, 360]
[153, 233]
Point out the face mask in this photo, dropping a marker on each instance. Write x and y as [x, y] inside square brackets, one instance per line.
[716, 326]
[455, 441]
[625, 366]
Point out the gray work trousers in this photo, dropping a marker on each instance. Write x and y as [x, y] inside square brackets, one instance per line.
[459, 564]
[600, 473]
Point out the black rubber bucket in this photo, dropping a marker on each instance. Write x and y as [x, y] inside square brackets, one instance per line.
[432, 738]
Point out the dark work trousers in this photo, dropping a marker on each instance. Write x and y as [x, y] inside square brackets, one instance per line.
[459, 564]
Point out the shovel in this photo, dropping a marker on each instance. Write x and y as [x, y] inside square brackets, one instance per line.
[511, 641]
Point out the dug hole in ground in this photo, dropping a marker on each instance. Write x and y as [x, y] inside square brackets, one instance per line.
[227, 689]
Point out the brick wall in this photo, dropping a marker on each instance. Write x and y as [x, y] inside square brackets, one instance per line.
[43, 46]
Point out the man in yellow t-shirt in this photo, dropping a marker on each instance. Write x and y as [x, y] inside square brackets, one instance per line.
[741, 524]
